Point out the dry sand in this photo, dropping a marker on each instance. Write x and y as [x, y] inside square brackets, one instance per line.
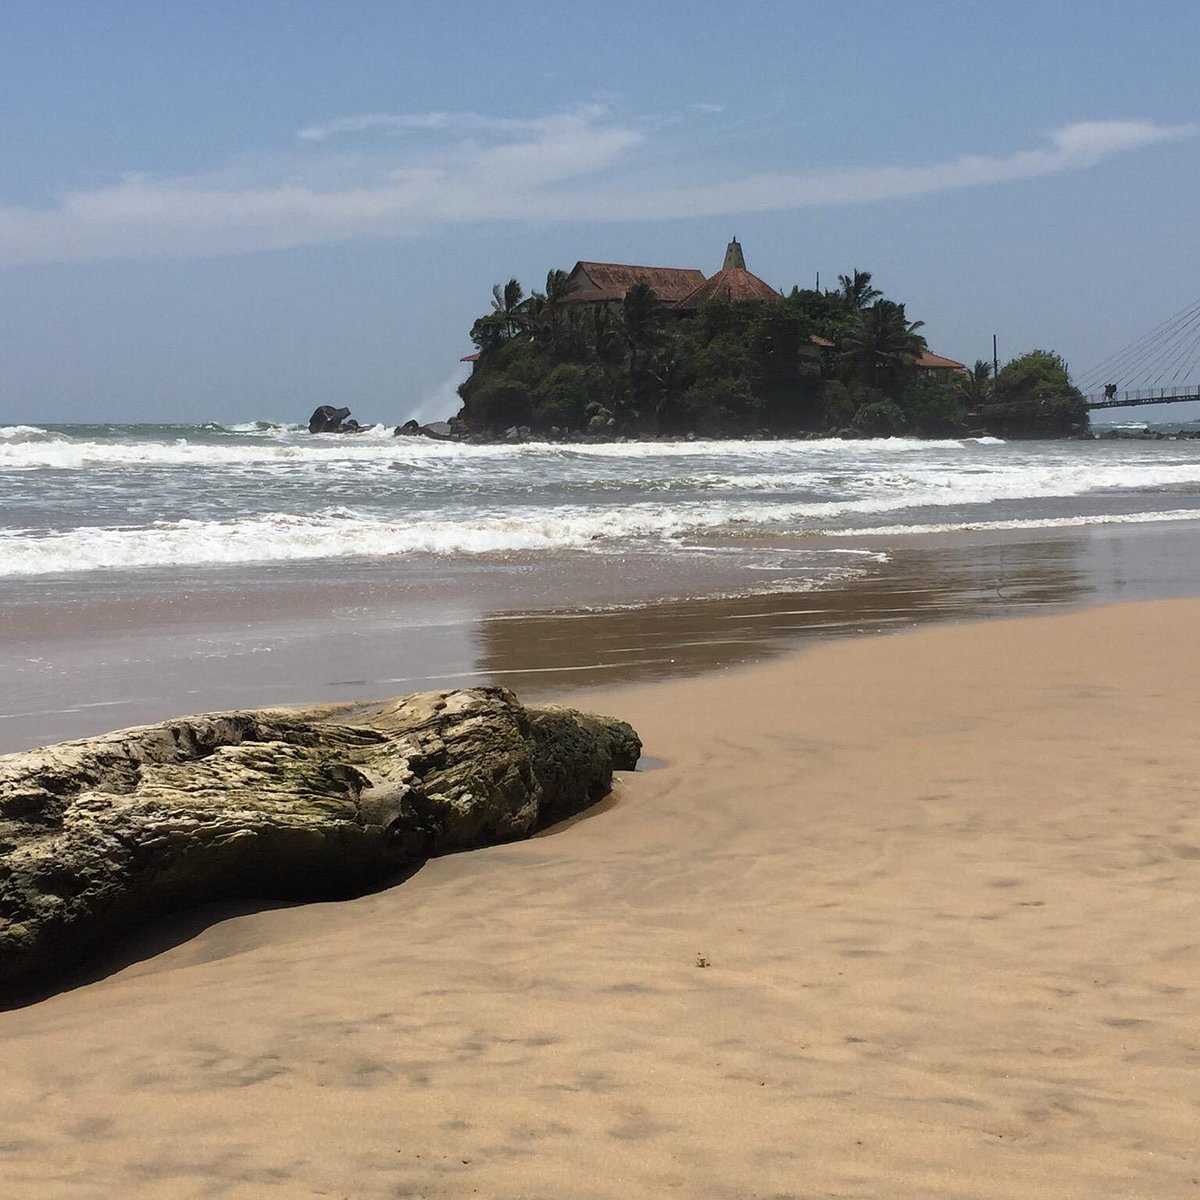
[911, 916]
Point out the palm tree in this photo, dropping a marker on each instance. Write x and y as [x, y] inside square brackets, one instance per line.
[505, 303]
[643, 320]
[882, 342]
[557, 288]
[669, 376]
[977, 386]
[606, 337]
[856, 290]
[530, 316]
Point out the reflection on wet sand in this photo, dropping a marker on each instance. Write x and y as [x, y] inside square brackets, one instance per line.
[558, 650]
[76, 666]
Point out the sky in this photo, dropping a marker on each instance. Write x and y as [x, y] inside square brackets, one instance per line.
[235, 211]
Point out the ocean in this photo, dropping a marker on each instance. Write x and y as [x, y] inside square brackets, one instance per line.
[148, 569]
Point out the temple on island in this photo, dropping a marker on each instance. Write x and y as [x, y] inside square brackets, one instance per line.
[682, 288]
[686, 289]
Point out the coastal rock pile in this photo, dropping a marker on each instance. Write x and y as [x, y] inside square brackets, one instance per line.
[100, 835]
[328, 419]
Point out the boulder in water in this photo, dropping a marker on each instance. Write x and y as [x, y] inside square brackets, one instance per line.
[328, 419]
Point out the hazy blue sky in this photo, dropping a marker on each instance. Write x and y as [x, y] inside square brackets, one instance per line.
[238, 210]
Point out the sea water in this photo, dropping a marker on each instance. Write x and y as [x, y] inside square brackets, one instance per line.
[84, 502]
[147, 569]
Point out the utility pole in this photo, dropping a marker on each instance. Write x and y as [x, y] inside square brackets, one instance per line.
[995, 358]
[818, 281]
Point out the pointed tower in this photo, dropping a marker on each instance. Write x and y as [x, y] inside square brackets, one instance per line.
[734, 256]
[732, 282]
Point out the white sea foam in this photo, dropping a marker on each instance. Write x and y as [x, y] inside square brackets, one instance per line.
[339, 532]
[1072, 522]
[77, 454]
[269, 428]
[281, 537]
[268, 493]
[22, 435]
[285, 445]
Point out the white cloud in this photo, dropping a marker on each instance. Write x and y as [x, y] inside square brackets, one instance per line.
[457, 123]
[374, 121]
[580, 164]
[1071, 148]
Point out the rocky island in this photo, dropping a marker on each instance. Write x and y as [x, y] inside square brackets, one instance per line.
[100, 835]
[610, 350]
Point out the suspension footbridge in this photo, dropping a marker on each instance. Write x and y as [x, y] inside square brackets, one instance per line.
[1161, 367]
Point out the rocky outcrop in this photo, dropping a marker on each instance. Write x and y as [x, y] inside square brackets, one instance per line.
[328, 419]
[440, 431]
[99, 835]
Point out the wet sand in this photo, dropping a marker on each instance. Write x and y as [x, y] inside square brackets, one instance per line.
[79, 660]
[897, 916]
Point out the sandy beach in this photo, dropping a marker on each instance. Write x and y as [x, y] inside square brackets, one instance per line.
[905, 915]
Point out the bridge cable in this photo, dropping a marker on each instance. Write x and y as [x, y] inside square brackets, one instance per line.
[1136, 352]
[1179, 347]
[1151, 345]
[1180, 361]
[1129, 370]
[1187, 369]
[1140, 345]
[1192, 368]
[1136, 348]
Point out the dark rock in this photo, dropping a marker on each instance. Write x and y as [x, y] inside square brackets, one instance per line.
[438, 430]
[1129, 434]
[328, 419]
[100, 835]
[408, 429]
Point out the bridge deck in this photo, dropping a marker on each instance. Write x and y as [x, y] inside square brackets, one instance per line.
[1152, 396]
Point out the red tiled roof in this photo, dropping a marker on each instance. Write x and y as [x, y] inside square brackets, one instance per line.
[928, 361]
[610, 281]
[470, 357]
[818, 340]
[732, 283]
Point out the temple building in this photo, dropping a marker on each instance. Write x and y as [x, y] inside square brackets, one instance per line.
[682, 288]
[731, 283]
[598, 283]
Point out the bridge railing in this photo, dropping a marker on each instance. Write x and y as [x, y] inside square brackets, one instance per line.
[1167, 395]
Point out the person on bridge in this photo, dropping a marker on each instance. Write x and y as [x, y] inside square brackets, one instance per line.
[1110, 391]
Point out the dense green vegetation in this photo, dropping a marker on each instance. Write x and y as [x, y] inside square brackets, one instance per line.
[637, 367]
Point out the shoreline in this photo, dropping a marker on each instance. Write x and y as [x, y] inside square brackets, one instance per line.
[902, 915]
[148, 648]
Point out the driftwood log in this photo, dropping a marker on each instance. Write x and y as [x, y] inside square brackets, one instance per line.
[100, 835]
